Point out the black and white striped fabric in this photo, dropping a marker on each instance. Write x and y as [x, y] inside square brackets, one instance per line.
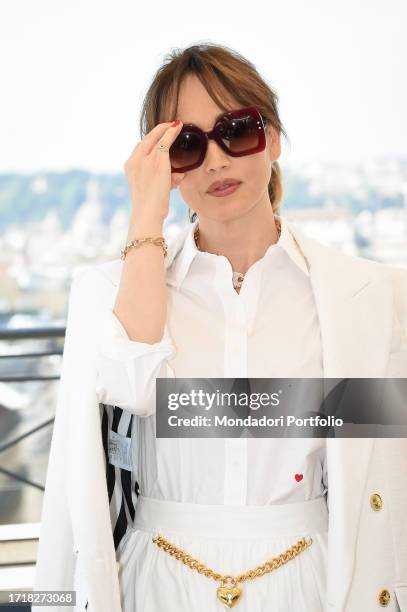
[122, 486]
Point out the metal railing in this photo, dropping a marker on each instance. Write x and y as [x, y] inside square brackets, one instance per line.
[17, 548]
[38, 333]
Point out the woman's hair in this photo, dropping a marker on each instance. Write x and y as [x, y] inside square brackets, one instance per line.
[220, 69]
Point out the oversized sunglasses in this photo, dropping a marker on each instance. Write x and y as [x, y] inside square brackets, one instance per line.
[237, 132]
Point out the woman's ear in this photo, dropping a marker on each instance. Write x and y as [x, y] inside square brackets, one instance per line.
[273, 143]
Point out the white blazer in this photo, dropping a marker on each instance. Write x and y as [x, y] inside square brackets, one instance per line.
[362, 308]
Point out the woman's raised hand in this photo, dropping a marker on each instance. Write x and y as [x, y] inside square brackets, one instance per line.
[149, 175]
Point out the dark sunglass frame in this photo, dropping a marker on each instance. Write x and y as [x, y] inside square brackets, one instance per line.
[215, 134]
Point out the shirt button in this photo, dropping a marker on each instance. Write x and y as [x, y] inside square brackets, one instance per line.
[384, 598]
[376, 502]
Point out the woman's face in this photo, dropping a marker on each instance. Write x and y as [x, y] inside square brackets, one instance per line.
[254, 171]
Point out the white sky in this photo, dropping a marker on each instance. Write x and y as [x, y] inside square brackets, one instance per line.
[74, 73]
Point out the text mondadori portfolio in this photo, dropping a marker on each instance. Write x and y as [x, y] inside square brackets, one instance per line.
[251, 421]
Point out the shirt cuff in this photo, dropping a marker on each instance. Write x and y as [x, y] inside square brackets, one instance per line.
[115, 343]
[127, 370]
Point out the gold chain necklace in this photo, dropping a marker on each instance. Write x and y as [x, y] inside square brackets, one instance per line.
[229, 593]
[238, 277]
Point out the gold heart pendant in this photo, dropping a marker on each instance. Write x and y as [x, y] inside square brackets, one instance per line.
[229, 596]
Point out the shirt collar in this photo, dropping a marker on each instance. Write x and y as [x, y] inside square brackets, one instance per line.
[189, 251]
[291, 246]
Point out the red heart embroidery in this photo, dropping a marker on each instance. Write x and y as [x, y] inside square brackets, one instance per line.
[299, 477]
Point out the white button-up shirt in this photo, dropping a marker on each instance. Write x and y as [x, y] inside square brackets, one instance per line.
[270, 329]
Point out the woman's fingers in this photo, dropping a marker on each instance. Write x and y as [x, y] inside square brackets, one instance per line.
[166, 140]
[149, 174]
[158, 130]
[155, 137]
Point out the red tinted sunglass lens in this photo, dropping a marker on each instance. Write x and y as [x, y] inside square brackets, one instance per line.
[239, 134]
[185, 150]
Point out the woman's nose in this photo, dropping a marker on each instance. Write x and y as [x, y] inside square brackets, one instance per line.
[215, 157]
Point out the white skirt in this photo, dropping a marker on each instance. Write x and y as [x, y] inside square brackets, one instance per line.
[230, 540]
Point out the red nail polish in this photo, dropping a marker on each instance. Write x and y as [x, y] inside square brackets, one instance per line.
[176, 122]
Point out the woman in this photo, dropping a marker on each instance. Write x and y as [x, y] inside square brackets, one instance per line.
[242, 293]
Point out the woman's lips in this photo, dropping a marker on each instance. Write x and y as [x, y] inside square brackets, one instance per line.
[220, 193]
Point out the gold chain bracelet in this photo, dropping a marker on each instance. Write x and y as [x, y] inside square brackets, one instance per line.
[231, 595]
[137, 242]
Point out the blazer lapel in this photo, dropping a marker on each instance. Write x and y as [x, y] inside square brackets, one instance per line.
[354, 301]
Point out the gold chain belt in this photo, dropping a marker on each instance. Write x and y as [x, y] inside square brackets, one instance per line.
[229, 593]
